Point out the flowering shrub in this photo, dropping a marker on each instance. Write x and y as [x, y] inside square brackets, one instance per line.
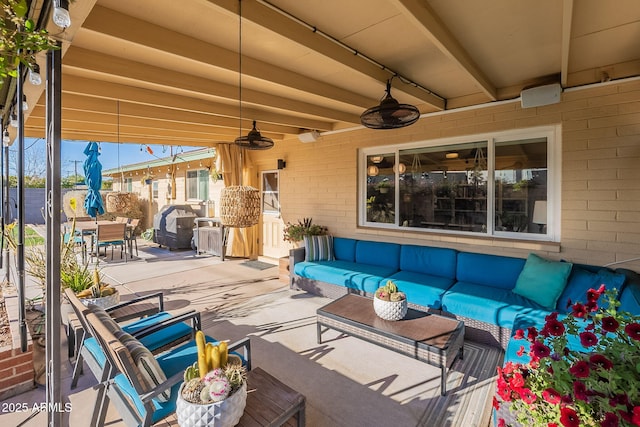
[562, 385]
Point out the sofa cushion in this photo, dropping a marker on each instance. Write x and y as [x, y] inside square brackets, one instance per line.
[496, 306]
[542, 281]
[378, 253]
[344, 249]
[489, 270]
[426, 260]
[364, 277]
[422, 289]
[581, 280]
[630, 298]
[318, 248]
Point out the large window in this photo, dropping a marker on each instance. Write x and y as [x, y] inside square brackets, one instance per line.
[496, 185]
[198, 184]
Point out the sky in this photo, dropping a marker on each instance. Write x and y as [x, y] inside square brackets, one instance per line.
[112, 155]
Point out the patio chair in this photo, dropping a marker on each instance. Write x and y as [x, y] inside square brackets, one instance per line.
[140, 399]
[156, 328]
[131, 235]
[111, 235]
[121, 220]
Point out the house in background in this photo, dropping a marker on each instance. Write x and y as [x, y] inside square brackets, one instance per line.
[189, 178]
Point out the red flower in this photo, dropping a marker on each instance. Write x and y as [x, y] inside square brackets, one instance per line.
[554, 327]
[580, 369]
[550, 395]
[516, 381]
[502, 422]
[496, 404]
[532, 333]
[633, 330]
[610, 324]
[592, 295]
[569, 417]
[636, 415]
[527, 396]
[519, 335]
[520, 351]
[552, 425]
[610, 420]
[579, 310]
[580, 390]
[599, 361]
[588, 339]
[539, 350]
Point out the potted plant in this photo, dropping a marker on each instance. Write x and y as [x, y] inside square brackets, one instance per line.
[295, 232]
[383, 186]
[389, 303]
[583, 369]
[214, 392]
[146, 179]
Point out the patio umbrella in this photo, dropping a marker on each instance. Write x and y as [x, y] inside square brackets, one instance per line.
[93, 178]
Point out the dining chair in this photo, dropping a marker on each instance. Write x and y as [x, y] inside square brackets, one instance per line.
[111, 235]
[131, 235]
[144, 387]
[121, 219]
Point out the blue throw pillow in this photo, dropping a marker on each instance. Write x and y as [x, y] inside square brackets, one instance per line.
[542, 281]
[581, 280]
[318, 248]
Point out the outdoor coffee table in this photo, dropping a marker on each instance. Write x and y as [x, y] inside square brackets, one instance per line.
[427, 337]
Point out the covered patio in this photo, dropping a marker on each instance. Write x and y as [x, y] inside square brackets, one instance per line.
[346, 381]
[481, 75]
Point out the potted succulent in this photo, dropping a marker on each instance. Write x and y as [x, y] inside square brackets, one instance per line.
[214, 392]
[389, 303]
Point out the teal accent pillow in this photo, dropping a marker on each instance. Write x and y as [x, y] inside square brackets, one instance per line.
[542, 281]
[318, 248]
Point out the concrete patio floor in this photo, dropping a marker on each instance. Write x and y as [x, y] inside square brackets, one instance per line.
[346, 381]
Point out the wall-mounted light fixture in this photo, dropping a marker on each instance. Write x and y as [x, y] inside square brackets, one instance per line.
[34, 75]
[61, 15]
[282, 164]
[309, 136]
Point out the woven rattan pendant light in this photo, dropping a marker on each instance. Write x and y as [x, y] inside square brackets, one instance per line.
[240, 204]
[390, 114]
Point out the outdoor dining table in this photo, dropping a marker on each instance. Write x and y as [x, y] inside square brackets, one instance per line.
[90, 228]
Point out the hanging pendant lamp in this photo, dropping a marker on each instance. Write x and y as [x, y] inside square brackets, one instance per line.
[254, 140]
[390, 114]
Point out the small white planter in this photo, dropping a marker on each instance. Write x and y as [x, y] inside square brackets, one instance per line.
[390, 310]
[220, 414]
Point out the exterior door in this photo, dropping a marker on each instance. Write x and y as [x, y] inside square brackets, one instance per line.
[272, 243]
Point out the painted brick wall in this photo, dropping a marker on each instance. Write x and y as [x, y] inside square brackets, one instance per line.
[600, 174]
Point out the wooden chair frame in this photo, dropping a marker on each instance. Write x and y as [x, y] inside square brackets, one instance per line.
[111, 235]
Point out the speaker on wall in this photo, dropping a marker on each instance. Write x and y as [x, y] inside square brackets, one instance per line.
[309, 136]
[541, 95]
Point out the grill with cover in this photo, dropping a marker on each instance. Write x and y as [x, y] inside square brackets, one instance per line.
[173, 226]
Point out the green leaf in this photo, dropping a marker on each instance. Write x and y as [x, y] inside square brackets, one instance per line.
[20, 8]
[29, 25]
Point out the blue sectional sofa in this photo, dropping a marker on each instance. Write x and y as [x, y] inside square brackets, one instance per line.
[473, 287]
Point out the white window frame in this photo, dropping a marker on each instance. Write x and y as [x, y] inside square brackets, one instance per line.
[198, 196]
[263, 192]
[554, 174]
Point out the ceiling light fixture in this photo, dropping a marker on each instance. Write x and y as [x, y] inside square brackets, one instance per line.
[25, 104]
[34, 75]
[14, 120]
[61, 15]
[377, 159]
[451, 155]
[253, 140]
[390, 114]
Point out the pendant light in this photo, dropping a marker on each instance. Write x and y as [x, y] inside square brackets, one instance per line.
[254, 140]
[390, 114]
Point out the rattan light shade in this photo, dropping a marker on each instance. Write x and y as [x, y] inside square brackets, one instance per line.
[239, 206]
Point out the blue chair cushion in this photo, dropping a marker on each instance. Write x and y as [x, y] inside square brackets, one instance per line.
[344, 249]
[422, 289]
[427, 260]
[378, 253]
[489, 270]
[495, 306]
[581, 280]
[363, 277]
[171, 362]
